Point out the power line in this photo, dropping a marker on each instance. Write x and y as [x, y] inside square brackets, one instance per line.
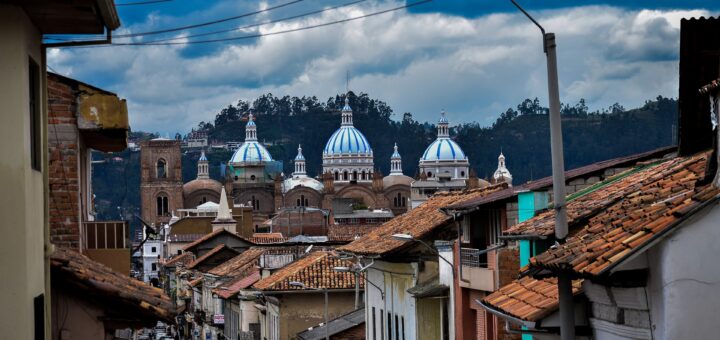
[262, 34]
[259, 24]
[141, 2]
[208, 23]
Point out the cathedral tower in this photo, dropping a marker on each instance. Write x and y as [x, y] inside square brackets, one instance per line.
[161, 186]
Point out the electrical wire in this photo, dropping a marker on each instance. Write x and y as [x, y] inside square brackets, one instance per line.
[263, 34]
[141, 2]
[259, 24]
[208, 23]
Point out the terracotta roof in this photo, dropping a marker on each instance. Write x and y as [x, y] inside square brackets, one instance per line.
[237, 263]
[527, 298]
[622, 217]
[183, 259]
[232, 287]
[569, 175]
[100, 284]
[315, 270]
[417, 222]
[349, 232]
[266, 238]
[196, 282]
[209, 237]
[207, 255]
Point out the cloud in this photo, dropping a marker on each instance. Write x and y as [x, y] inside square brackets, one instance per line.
[417, 62]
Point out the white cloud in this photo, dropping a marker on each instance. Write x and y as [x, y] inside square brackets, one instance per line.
[419, 63]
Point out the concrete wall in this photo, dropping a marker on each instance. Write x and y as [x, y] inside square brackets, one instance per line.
[300, 311]
[684, 281]
[395, 279]
[23, 206]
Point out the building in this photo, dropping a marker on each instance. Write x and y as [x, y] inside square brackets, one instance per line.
[412, 293]
[24, 121]
[289, 309]
[350, 326]
[443, 167]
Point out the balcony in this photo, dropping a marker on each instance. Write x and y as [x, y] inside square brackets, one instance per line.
[475, 270]
[108, 242]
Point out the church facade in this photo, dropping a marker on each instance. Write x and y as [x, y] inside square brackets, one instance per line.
[254, 179]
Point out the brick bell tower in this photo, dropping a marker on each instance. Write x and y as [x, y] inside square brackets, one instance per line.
[160, 180]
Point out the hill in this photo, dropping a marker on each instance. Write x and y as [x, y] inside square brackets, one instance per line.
[522, 133]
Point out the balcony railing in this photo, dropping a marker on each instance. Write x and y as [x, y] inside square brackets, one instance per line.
[106, 235]
[471, 257]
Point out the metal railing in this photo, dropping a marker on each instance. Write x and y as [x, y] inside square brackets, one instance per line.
[471, 257]
[106, 235]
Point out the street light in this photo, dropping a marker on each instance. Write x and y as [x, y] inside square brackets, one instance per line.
[408, 237]
[325, 291]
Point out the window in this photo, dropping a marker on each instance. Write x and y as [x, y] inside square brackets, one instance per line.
[161, 170]
[345, 176]
[429, 174]
[179, 252]
[364, 175]
[397, 328]
[389, 324]
[154, 266]
[382, 326]
[252, 177]
[462, 173]
[153, 250]
[337, 175]
[403, 327]
[35, 115]
[374, 325]
[355, 175]
[162, 205]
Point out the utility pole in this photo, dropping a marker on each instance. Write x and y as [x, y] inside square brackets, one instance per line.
[567, 313]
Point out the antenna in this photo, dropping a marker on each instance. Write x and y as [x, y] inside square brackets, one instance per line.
[347, 81]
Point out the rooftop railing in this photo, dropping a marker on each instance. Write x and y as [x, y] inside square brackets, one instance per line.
[106, 235]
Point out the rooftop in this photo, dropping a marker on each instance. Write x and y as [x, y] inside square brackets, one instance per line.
[315, 270]
[335, 326]
[231, 288]
[238, 263]
[208, 255]
[618, 219]
[417, 222]
[528, 299]
[101, 285]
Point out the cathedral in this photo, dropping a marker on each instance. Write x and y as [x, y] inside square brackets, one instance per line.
[254, 179]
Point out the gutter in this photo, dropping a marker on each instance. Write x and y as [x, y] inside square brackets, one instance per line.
[106, 41]
[523, 237]
[521, 322]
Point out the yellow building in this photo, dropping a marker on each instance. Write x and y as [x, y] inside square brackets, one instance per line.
[24, 255]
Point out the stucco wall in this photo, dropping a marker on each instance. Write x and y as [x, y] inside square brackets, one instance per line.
[684, 281]
[395, 279]
[75, 318]
[23, 206]
[302, 310]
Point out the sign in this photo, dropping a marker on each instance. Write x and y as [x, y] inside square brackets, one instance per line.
[219, 319]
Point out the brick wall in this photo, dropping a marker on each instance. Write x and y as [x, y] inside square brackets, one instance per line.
[508, 264]
[63, 172]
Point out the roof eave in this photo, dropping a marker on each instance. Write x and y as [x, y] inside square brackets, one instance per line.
[109, 14]
[508, 317]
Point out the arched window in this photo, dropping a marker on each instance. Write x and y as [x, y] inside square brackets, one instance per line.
[345, 176]
[462, 173]
[337, 175]
[161, 205]
[364, 175]
[252, 177]
[306, 202]
[355, 175]
[298, 203]
[161, 171]
[395, 202]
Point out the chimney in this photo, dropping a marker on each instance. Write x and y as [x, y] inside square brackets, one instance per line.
[699, 52]
[224, 219]
[713, 91]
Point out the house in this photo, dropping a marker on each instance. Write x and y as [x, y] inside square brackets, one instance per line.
[218, 237]
[491, 254]
[292, 297]
[25, 170]
[94, 301]
[412, 282]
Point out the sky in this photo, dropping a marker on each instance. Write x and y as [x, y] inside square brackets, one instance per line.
[473, 59]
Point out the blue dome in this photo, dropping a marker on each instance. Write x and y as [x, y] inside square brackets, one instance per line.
[251, 151]
[443, 149]
[347, 139]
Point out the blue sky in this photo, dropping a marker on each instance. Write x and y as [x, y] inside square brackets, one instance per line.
[471, 58]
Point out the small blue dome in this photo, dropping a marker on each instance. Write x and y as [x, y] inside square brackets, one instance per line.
[443, 149]
[443, 119]
[251, 151]
[299, 156]
[347, 139]
[202, 157]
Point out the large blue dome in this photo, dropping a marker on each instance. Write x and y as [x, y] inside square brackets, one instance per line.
[251, 151]
[443, 149]
[347, 140]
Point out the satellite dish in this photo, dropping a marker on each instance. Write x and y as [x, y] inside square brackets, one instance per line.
[307, 250]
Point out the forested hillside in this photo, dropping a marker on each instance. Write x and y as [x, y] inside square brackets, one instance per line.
[521, 133]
